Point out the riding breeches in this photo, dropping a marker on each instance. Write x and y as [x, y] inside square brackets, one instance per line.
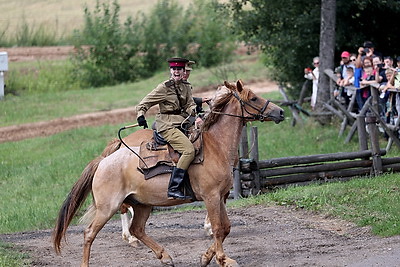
[182, 144]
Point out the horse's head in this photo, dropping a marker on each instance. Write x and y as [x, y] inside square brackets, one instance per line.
[255, 107]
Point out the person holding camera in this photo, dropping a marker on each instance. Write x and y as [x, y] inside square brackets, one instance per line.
[314, 76]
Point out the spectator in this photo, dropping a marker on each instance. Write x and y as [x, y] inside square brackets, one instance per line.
[369, 50]
[388, 62]
[345, 56]
[364, 92]
[314, 76]
[379, 71]
[390, 104]
[349, 80]
[398, 65]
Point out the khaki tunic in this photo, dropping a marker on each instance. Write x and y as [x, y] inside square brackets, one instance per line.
[165, 95]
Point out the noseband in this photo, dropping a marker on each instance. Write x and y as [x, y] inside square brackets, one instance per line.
[243, 104]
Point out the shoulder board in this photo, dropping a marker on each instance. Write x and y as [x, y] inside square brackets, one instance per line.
[169, 83]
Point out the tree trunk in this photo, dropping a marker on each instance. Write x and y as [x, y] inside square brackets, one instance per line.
[326, 53]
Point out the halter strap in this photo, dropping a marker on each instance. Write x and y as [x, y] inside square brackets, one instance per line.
[259, 116]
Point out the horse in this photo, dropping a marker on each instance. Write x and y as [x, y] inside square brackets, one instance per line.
[113, 179]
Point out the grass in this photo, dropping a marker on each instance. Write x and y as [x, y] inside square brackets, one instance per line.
[60, 17]
[10, 258]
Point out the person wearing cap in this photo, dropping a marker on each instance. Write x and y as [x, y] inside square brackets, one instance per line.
[176, 105]
[345, 58]
[198, 100]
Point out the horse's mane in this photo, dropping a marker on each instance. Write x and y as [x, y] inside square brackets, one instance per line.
[222, 97]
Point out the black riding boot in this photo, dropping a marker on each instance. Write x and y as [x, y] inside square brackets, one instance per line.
[175, 184]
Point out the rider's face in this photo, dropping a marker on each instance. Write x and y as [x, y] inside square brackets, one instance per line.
[177, 73]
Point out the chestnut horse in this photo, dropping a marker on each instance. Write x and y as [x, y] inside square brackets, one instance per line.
[113, 178]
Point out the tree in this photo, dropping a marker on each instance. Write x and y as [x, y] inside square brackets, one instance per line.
[326, 52]
[289, 32]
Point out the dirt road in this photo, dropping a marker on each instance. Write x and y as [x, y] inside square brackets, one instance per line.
[260, 236]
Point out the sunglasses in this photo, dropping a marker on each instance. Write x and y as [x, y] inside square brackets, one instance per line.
[177, 68]
[316, 63]
[353, 59]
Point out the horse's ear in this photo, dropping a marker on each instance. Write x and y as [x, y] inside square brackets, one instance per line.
[239, 85]
[228, 85]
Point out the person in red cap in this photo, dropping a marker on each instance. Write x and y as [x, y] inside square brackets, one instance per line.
[345, 56]
[175, 101]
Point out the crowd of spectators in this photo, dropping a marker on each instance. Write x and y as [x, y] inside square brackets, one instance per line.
[358, 72]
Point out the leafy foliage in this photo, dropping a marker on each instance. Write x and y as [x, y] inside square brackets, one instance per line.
[136, 49]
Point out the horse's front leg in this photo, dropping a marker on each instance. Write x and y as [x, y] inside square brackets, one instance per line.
[221, 227]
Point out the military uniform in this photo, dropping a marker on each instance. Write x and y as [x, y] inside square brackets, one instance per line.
[175, 101]
[174, 98]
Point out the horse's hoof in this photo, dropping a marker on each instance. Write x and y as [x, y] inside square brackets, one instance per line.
[134, 243]
[204, 260]
[167, 261]
[230, 263]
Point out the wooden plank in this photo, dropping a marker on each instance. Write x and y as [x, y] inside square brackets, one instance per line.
[324, 167]
[287, 161]
[295, 113]
[314, 176]
[383, 124]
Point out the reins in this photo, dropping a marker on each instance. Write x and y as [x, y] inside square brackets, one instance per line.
[122, 141]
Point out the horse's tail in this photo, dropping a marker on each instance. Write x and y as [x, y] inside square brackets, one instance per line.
[78, 194]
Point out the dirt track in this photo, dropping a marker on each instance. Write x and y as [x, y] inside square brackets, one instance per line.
[260, 236]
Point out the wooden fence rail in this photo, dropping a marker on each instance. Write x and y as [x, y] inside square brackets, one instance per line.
[254, 175]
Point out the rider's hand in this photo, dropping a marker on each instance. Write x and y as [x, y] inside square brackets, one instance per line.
[198, 122]
[142, 122]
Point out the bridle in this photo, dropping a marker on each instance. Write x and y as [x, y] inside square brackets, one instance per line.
[243, 104]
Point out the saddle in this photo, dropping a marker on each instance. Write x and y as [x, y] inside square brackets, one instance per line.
[159, 157]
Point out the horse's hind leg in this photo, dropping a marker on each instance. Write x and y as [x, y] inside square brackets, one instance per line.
[100, 219]
[126, 223]
[141, 214]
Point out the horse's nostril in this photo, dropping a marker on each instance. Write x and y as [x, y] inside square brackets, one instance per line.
[281, 113]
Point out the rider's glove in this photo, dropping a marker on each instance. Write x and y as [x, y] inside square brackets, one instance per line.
[142, 122]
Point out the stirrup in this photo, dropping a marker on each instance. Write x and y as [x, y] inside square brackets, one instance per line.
[177, 195]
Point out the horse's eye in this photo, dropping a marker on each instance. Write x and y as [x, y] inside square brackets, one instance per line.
[253, 98]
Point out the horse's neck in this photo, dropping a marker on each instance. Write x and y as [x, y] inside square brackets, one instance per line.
[227, 132]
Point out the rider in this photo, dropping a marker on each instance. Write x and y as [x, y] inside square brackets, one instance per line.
[176, 104]
[198, 100]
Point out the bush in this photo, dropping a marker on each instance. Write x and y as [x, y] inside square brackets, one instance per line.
[138, 48]
[110, 59]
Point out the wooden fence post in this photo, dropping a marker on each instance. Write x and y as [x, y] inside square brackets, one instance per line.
[254, 155]
[374, 137]
[243, 152]
[362, 133]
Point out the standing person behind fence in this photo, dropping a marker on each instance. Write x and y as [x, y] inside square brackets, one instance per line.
[364, 92]
[174, 98]
[345, 57]
[314, 76]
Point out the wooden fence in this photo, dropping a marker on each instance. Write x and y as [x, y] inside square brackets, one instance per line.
[254, 176]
